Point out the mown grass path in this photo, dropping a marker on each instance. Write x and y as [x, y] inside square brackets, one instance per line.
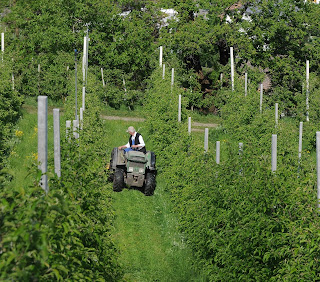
[146, 233]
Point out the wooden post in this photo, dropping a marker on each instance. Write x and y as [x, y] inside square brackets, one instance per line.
[56, 139]
[232, 68]
[245, 84]
[179, 109]
[39, 68]
[221, 82]
[103, 83]
[276, 113]
[163, 71]
[12, 81]
[189, 125]
[83, 97]
[318, 168]
[206, 139]
[160, 56]
[300, 139]
[43, 140]
[274, 153]
[218, 152]
[261, 96]
[307, 92]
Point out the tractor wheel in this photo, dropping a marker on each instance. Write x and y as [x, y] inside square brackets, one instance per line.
[118, 180]
[150, 184]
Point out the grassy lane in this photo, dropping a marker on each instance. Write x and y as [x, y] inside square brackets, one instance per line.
[146, 233]
[151, 248]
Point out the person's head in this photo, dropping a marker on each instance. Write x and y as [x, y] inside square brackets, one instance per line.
[131, 130]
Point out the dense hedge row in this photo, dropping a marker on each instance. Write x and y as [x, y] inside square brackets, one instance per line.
[243, 221]
[10, 103]
[64, 235]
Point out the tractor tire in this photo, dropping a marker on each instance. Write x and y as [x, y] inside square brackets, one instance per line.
[118, 180]
[150, 184]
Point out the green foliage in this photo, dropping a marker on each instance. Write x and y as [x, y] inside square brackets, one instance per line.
[10, 103]
[64, 235]
[242, 221]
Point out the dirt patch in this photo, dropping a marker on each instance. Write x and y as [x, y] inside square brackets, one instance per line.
[196, 124]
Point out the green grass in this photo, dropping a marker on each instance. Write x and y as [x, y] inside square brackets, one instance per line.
[24, 151]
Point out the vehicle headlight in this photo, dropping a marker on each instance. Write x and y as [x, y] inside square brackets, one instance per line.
[141, 170]
[130, 169]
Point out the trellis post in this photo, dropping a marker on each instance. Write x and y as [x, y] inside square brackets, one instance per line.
[274, 153]
[179, 109]
[300, 139]
[206, 138]
[245, 84]
[218, 152]
[307, 91]
[276, 113]
[160, 56]
[163, 71]
[261, 97]
[56, 138]
[232, 68]
[189, 125]
[103, 83]
[43, 140]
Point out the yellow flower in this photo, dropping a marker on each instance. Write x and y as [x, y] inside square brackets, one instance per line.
[34, 156]
[19, 133]
[35, 130]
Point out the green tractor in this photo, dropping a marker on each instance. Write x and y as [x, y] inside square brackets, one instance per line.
[133, 168]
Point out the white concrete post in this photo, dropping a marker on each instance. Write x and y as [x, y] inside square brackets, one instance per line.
[206, 139]
[232, 68]
[307, 92]
[300, 139]
[189, 125]
[81, 118]
[245, 84]
[172, 76]
[124, 85]
[318, 168]
[68, 127]
[274, 153]
[160, 56]
[84, 56]
[43, 140]
[221, 82]
[240, 148]
[2, 44]
[179, 109]
[103, 83]
[83, 97]
[12, 81]
[218, 152]
[39, 68]
[276, 113]
[76, 128]
[56, 139]
[261, 96]
[163, 71]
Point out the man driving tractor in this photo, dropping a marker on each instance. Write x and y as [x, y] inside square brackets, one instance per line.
[135, 142]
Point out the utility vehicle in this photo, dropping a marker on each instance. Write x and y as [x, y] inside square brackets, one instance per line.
[133, 168]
